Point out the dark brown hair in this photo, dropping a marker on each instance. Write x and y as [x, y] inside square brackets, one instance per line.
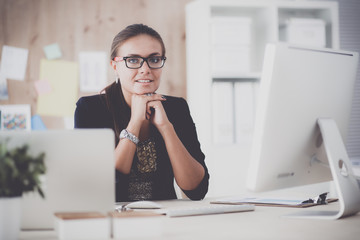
[113, 94]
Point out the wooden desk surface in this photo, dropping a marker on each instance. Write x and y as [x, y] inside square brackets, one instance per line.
[263, 223]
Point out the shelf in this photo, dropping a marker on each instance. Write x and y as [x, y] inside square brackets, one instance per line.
[223, 91]
[252, 76]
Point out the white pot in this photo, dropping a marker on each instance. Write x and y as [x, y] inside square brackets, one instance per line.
[10, 218]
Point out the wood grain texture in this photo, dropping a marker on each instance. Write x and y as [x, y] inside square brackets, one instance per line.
[88, 25]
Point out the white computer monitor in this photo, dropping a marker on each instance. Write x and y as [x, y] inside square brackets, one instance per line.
[299, 86]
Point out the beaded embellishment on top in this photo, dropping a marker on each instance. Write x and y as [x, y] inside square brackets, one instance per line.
[141, 178]
[146, 154]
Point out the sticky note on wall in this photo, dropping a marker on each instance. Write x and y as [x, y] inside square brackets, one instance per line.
[42, 87]
[63, 78]
[52, 51]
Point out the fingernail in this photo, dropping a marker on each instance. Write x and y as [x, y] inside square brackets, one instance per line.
[163, 97]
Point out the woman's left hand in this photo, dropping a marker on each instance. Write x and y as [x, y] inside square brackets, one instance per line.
[158, 115]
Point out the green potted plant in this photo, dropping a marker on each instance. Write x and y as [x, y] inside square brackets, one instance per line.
[19, 173]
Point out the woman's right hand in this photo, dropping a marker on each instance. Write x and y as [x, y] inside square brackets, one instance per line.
[139, 110]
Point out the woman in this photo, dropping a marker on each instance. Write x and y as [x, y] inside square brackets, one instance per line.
[156, 139]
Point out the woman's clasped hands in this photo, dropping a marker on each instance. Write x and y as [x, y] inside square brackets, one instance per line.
[148, 107]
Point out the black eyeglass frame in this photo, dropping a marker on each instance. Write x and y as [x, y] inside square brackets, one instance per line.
[163, 59]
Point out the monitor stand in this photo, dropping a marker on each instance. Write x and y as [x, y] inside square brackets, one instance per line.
[341, 169]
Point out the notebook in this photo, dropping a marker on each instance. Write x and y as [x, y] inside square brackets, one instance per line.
[80, 173]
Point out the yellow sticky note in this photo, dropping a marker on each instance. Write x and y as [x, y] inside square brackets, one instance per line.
[63, 78]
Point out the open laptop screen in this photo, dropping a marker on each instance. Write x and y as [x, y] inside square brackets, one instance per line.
[79, 177]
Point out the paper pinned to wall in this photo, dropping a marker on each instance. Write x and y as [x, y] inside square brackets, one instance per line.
[37, 123]
[92, 71]
[69, 122]
[4, 95]
[15, 117]
[63, 78]
[52, 51]
[13, 62]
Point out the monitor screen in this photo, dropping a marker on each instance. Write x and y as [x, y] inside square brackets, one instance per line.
[298, 86]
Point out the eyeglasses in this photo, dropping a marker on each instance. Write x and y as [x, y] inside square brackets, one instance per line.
[154, 62]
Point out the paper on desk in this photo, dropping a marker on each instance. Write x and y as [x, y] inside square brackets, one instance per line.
[63, 78]
[288, 202]
[13, 62]
[92, 71]
[260, 200]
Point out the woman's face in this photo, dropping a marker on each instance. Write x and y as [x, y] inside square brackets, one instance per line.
[142, 80]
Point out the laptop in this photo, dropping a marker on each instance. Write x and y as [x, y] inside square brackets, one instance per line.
[80, 173]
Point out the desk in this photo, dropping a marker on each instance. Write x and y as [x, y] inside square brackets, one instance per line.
[263, 223]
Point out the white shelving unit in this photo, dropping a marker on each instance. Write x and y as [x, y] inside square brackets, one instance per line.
[225, 42]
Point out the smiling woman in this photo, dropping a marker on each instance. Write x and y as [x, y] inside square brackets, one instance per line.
[156, 139]
[135, 76]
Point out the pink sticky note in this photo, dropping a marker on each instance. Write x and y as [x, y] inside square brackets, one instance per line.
[42, 87]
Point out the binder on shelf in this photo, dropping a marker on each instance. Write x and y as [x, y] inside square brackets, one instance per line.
[222, 113]
[244, 111]
[231, 39]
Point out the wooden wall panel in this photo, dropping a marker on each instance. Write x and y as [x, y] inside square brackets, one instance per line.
[88, 25]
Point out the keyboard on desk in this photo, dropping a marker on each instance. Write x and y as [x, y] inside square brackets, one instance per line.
[209, 209]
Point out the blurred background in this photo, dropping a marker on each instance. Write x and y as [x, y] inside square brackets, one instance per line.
[83, 26]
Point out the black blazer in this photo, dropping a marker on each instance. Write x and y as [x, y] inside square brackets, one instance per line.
[92, 112]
